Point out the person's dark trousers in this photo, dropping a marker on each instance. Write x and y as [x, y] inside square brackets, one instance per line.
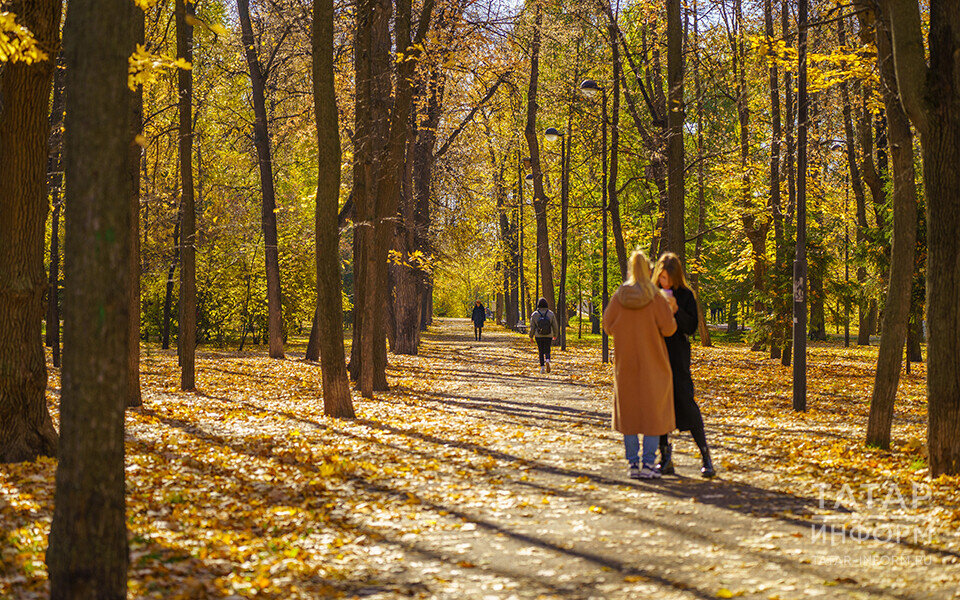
[543, 345]
[476, 332]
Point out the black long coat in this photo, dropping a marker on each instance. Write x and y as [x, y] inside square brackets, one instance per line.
[479, 316]
[678, 349]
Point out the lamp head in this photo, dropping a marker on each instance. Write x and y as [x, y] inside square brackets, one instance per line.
[590, 88]
[529, 178]
[551, 134]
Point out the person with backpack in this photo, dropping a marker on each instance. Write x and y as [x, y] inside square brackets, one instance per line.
[669, 277]
[638, 318]
[479, 317]
[544, 328]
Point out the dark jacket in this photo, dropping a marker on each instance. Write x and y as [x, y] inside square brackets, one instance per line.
[678, 349]
[479, 316]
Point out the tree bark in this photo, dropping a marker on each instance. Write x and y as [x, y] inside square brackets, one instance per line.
[675, 238]
[26, 429]
[533, 144]
[897, 308]
[268, 213]
[87, 557]
[187, 327]
[781, 307]
[931, 98]
[168, 295]
[613, 201]
[702, 328]
[337, 401]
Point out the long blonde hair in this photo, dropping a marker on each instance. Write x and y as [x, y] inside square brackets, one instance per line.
[638, 275]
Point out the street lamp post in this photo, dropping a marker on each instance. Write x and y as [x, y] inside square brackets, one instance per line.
[800, 263]
[590, 89]
[552, 135]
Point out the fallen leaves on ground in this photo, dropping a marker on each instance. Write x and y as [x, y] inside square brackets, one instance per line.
[245, 489]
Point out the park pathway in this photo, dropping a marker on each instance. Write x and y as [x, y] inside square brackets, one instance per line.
[552, 514]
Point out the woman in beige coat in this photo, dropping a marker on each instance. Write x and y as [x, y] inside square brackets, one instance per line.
[639, 317]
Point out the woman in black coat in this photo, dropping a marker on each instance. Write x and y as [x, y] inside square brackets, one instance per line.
[479, 316]
[669, 276]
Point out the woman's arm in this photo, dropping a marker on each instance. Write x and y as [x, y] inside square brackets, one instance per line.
[664, 316]
[611, 314]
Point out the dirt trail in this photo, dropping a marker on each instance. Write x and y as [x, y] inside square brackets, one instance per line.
[554, 514]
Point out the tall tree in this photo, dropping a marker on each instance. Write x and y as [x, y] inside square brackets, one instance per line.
[702, 328]
[897, 307]
[613, 200]
[87, 556]
[268, 206]
[533, 146]
[187, 332]
[675, 236]
[930, 94]
[336, 385]
[134, 157]
[779, 333]
[26, 429]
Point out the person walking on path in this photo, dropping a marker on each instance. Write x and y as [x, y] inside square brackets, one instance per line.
[479, 316]
[669, 277]
[639, 318]
[544, 328]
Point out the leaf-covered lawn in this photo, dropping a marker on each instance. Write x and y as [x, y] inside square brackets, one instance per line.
[477, 477]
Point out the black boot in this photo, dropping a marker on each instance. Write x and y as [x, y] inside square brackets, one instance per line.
[666, 460]
[707, 469]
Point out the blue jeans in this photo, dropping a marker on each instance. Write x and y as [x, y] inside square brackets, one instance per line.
[632, 445]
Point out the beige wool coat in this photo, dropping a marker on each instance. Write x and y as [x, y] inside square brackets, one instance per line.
[639, 318]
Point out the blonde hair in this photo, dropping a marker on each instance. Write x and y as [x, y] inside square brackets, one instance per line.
[670, 263]
[638, 268]
[639, 276]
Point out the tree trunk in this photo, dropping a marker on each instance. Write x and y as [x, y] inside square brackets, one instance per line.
[168, 295]
[533, 144]
[26, 429]
[613, 202]
[87, 557]
[337, 401]
[780, 307]
[897, 308]
[702, 328]
[268, 213]
[675, 238]
[931, 98]
[187, 327]
[313, 343]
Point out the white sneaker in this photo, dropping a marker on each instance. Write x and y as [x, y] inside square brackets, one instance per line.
[648, 472]
[542, 369]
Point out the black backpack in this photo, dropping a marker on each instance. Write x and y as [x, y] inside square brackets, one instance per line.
[544, 327]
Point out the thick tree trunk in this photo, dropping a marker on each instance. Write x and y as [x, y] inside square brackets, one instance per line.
[87, 557]
[268, 213]
[337, 401]
[187, 329]
[897, 308]
[675, 238]
[26, 429]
